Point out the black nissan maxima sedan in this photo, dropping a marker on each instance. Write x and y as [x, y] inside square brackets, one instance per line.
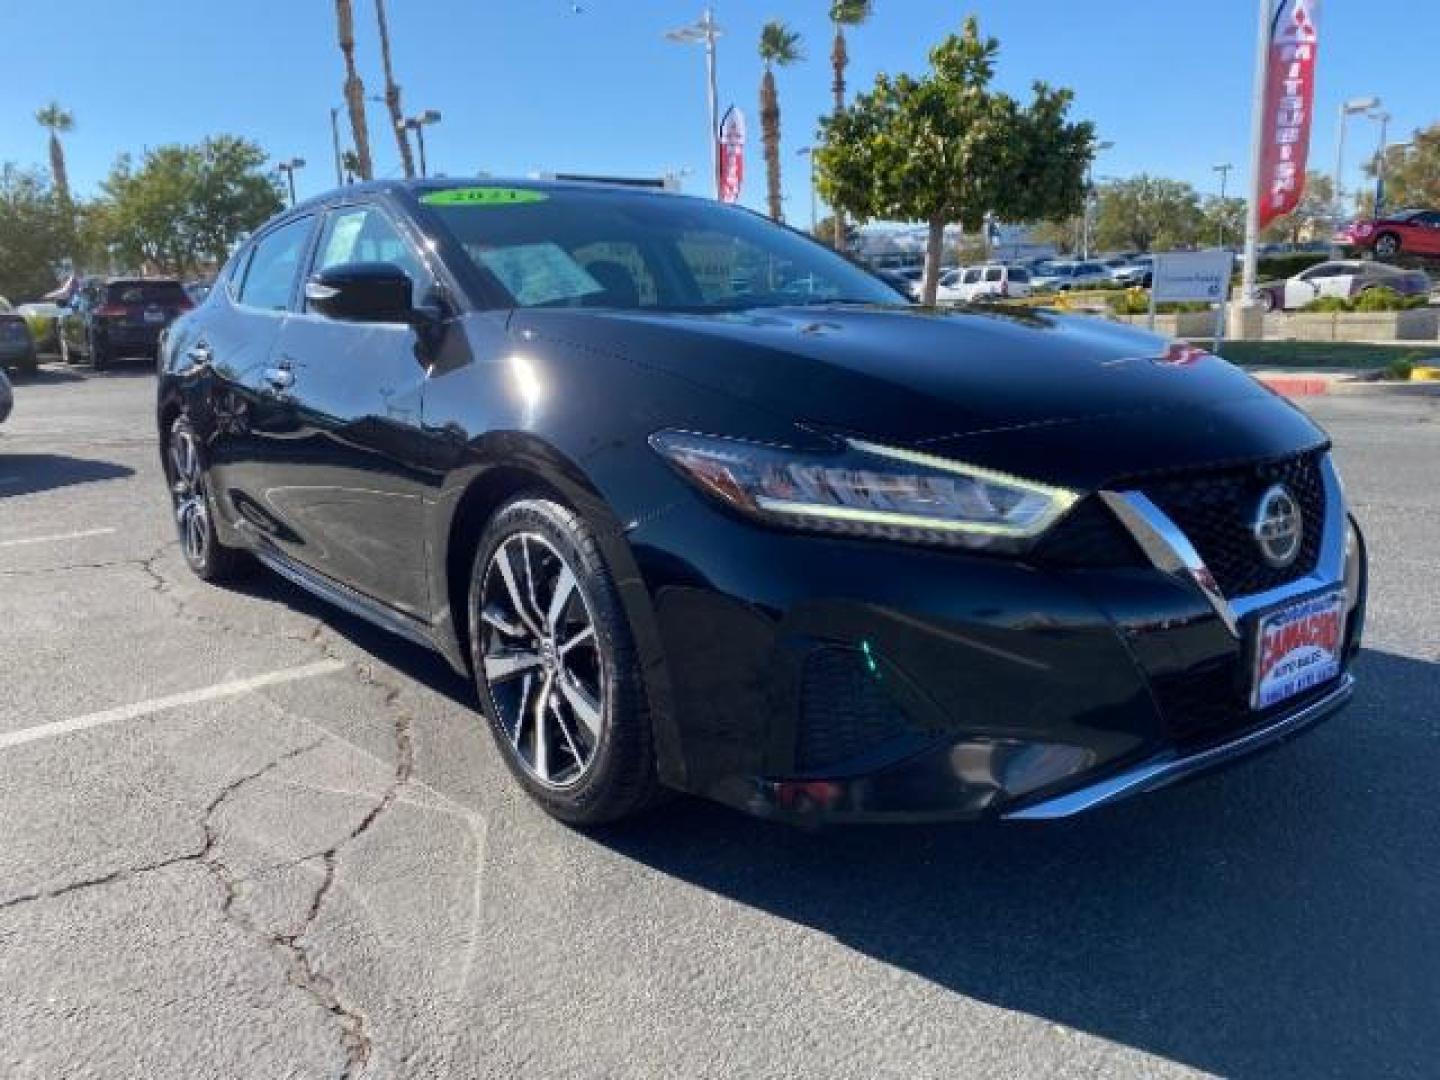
[701, 505]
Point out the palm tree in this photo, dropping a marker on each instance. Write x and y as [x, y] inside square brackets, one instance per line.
[844, 13]
[779, 47]
[354, 88]
[392, 93]
[57, 121]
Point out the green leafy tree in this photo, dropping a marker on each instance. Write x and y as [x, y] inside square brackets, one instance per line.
[844, 14]
[34, 233]
[1224, 222]
[1145, 212]
[779, 47]
[825, 233]
[1062, 234]
[185, 206]
[945, 149]
[1312, 217]
[1412, 174]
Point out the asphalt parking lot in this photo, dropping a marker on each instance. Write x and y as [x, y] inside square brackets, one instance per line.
[244, 835]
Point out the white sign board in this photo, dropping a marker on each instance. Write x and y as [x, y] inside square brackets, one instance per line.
[1192, 275]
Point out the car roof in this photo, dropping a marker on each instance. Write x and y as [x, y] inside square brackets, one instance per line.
[416, 188]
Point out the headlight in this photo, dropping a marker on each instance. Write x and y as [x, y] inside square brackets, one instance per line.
[862, 489]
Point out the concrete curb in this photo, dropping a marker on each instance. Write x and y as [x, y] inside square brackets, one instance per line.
[1311, 385]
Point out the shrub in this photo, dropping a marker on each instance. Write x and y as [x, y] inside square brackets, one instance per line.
[1387, 299]
[1400, 370]
[1328, 305]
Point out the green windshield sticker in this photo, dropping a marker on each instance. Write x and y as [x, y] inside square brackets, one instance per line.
[484, 196]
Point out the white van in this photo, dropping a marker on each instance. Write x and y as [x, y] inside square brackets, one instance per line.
[991, 281]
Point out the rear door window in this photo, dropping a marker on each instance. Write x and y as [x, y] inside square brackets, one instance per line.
[270, 277]
[994, 273]
[972, 276]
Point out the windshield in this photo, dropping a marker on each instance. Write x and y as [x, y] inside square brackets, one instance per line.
[559, 247]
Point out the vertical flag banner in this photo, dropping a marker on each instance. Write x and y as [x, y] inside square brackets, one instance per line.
[732, 154]
[1289, 106]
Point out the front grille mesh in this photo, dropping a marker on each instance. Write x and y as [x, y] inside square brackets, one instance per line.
[1214, 509]
[845, 712]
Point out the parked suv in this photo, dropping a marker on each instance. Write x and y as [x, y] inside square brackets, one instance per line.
[111, 318]
[17, 346]
[992, 281]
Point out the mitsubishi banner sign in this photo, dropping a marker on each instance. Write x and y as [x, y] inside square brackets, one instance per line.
[1289, 106]
[732, 155]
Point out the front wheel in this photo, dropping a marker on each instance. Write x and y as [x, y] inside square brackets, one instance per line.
[1387, 245]
[99, 355]
[194, 509]
[556, 666]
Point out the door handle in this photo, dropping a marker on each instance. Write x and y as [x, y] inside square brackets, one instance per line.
[281, 378]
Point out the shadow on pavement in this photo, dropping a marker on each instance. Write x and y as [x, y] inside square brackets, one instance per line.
[413, 661]
[25, 474]
[1275, 920]
[48, 375]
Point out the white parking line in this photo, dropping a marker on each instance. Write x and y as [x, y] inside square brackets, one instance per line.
[233, 688]
[59, 536]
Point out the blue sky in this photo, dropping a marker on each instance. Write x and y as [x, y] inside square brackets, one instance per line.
[529, 85]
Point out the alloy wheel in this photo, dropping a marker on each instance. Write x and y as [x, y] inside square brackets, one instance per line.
[187, 491]
[542, 660]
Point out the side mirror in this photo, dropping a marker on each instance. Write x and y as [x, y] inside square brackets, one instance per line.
[362, 292]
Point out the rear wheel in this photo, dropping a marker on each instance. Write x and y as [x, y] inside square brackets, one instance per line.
[1387, 245]
[99, 355]
[556, 666]
[194, 509]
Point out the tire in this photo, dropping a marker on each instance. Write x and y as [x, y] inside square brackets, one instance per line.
[1267, 301]
[194, 509]
[560, 683]
[66, 356]
[99, 358]
[29, 366]
[1387, 245]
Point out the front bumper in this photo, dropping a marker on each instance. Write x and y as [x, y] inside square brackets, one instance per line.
[817, 679]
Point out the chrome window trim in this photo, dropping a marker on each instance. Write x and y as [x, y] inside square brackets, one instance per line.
[1171, 551]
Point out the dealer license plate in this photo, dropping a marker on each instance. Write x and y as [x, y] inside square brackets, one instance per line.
[1297, 648]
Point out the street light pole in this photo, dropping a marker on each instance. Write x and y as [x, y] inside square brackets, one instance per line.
[1347, 110]
[705, 32]
[1090, 200]
[1224, 171]
[335, 142]
[288, 168]
[417, 124]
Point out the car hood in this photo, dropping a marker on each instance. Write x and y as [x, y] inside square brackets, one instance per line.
[962, 378]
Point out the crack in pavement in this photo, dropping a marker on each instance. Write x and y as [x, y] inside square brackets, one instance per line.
[37, 571]
[302, 971]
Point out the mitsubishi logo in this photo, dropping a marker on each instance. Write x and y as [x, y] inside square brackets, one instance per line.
[1279, 527]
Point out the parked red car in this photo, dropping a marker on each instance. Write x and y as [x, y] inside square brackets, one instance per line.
[1409, 232]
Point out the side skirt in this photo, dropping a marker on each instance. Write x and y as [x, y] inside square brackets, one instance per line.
[350, 601]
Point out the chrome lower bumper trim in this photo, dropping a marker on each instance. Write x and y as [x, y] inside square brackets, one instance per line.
[1158, 773]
